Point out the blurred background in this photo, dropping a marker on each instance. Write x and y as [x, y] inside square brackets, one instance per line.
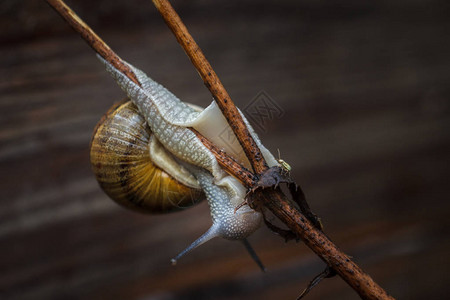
[364, 92]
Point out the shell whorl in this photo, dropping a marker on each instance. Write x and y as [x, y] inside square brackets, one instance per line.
[121, 161]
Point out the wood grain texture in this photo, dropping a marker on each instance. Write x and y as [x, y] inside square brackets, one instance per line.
[364, 93]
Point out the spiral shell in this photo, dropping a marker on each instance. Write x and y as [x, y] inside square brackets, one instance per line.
[123, 166]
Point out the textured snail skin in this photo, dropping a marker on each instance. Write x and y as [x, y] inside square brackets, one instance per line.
[169, 120]
[227, 223]
[167, 117]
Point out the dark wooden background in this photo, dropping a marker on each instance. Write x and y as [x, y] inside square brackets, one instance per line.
[365, 91]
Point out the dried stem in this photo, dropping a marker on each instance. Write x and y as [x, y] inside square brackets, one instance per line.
[274, 200]
[92, 38]
[214, 85]
[317, 241]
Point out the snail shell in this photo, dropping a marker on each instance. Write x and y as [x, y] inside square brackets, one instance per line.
[123, 154]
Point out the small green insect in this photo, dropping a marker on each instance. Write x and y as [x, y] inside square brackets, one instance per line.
[284, 165]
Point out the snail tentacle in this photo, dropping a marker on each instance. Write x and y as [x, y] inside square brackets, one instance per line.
[227, 223]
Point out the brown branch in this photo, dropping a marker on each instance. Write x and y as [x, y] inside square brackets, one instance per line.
[214, 85]
[272, 199]
[92, 38]
[317, 241]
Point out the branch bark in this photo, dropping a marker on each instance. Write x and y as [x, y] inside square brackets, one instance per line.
[320, 244]
[213, 83]
[272, 199]
[91, 37]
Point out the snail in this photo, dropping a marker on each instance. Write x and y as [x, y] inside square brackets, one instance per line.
[183, 157]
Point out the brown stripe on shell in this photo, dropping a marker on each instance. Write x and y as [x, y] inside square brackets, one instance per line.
[122, 165]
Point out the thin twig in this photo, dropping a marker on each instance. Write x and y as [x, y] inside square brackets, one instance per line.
[328, 272]
[275, 201]
[214, 85]
[92, 38]
[320, 244]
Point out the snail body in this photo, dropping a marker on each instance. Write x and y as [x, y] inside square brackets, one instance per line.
[169, 120]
